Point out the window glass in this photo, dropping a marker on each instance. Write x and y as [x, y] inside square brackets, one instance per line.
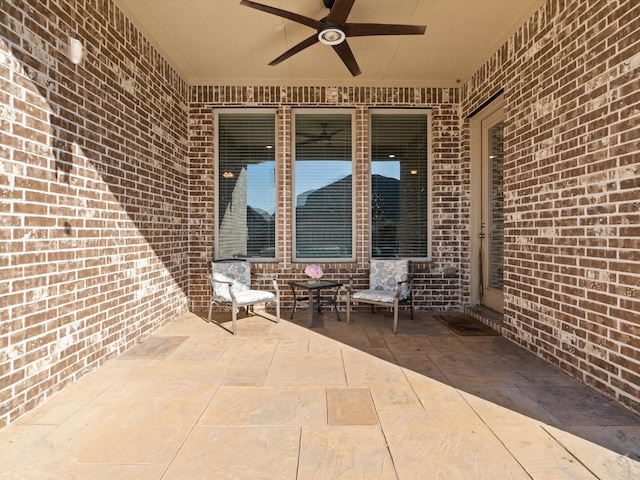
[323, 186]
[399, 185]
[245, 179]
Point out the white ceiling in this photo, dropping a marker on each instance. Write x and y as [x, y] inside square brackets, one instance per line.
[223, 42]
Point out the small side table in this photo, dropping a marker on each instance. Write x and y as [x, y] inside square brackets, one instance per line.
[318, 302]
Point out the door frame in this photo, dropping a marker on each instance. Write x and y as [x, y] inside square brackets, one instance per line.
[475, 208]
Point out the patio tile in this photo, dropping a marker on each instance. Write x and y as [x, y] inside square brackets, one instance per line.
[505, 406]
[335, 401]
[266, 406]
[248, 352]
[204, 349]
[308, 370]
[377, 340]
[540, 454]
[191, 325]
[350, 406]
[465, 370]
[608, 452]
[249, 325]
[346, 453]
[121, 430]
[419, 363]
[381, 354]
[322, 345]
[237, 452]
[581, 406]
[353, 338]
[64, 404]
[446, 445]
[435, 395]
[154, 347]
[403, 344]
[34, 453]
[182, 379]
[245, 377]
[27, 452]
[394, 396]
[111, 472]
[363, 369]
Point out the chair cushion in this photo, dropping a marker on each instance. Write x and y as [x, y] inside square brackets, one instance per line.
[239, 273]
[249, 297]
[385, 275]
[375, 295]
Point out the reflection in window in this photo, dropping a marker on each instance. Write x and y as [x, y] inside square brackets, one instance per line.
[399, 185]
[496, 211]
[246, 184]
[323, 186]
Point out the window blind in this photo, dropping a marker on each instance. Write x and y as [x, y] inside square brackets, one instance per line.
[323, 186]
[399, 185]
[245, 178]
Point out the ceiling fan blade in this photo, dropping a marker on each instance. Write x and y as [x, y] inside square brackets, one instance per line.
[309, 22]
[340, 11]
[308, 142]
[295, 49]
[346, 55]
[366, 29]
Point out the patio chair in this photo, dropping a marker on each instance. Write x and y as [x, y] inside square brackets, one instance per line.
[390, 284]
[231, 284]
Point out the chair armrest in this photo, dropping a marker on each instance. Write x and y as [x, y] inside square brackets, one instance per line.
[229, 285]
[400, 286]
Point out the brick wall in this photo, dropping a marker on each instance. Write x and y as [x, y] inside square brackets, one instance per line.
[106, 190]
[93, 195]
[571, 80]
[437, 283]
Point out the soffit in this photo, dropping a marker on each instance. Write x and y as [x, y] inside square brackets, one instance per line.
[223, 42]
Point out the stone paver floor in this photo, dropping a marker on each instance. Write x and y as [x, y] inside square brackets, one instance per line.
[281, 401]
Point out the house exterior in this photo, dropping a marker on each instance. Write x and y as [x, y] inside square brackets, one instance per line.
[108, 190]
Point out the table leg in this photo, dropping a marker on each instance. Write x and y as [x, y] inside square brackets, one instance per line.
[310, 308]
[335, 303]
[295, 302]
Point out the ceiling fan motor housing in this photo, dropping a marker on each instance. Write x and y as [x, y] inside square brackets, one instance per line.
[331, 33]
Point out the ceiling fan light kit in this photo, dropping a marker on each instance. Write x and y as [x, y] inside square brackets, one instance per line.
[333, 30]
[331, 36]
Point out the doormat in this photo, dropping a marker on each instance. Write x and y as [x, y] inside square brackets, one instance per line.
[463, 324]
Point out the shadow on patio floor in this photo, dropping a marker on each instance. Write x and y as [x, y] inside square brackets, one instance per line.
[335, 401]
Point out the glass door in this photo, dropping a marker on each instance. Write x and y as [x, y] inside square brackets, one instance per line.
[492, 224]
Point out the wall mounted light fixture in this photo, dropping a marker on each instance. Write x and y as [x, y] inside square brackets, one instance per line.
[76, 50]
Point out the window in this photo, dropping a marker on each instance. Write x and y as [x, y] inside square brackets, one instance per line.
[323, 186]
[245, 184]
[399, 184]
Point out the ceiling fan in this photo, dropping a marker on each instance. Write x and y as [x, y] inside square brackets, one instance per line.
[323, 138]
[333, 30]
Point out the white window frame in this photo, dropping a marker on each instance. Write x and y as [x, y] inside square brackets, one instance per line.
[429, 211]
[216, 178]
[320, 111]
